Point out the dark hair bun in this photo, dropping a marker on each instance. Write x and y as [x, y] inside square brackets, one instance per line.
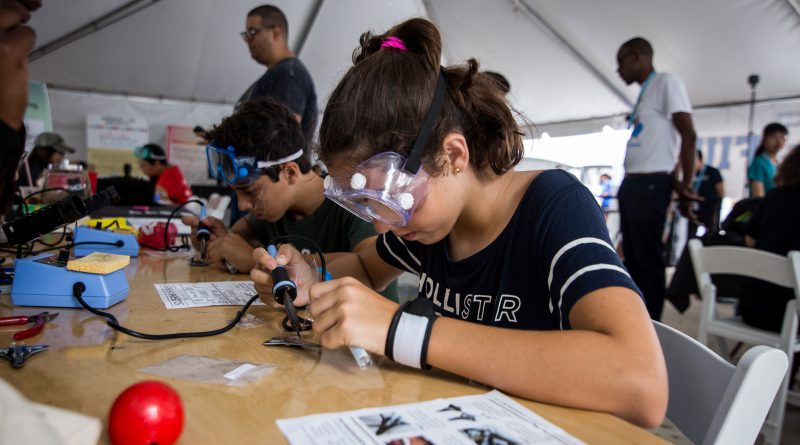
[418, 35]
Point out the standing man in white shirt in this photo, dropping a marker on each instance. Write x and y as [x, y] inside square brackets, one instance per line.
[662, 135]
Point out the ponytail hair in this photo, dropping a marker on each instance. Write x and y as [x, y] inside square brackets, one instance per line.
[381, 102]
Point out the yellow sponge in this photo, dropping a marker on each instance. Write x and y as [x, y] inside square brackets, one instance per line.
[99, 263]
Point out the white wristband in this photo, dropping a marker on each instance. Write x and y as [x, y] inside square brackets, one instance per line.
[409, 339]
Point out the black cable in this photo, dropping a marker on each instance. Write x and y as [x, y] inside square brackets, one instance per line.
[63, 235]
[79, 288]
[113, 223]
[43, 191]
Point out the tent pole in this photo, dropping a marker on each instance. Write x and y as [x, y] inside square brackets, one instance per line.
[753, 81]
[795, 4]
[543, 25]
[137, 96]
[308, 27]
[109, 19]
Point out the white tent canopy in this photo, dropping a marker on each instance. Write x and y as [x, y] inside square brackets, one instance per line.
[558, 55]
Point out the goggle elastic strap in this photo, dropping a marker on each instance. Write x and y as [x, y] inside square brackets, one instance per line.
[291, 157]
[413, 163]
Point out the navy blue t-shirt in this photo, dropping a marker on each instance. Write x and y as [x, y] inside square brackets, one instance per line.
[705, 184]
[554, 250]
[290, 83]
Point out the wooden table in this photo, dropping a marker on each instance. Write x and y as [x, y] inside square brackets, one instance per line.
[88, 365]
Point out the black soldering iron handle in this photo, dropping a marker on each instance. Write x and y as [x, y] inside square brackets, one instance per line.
[284, 290]
[203, 234]
[282, 285]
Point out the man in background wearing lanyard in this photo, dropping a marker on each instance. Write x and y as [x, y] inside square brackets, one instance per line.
[662, 133]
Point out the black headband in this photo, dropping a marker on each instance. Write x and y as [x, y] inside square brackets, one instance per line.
[413, 163]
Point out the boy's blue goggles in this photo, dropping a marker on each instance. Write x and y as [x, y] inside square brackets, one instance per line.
[224, 164]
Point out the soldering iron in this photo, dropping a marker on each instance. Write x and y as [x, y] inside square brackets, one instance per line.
[284, 290]
[203, 235]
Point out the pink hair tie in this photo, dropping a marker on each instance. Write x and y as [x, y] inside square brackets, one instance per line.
[394, 42]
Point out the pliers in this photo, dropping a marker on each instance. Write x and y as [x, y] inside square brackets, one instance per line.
[38, 321]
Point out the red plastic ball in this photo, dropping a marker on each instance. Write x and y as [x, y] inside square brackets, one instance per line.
[146, 413]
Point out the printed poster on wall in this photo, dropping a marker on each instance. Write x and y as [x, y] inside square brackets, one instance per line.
[188, 152]
[111, 138]
[38, 118]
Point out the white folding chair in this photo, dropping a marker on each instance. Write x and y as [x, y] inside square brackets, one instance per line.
[710, 400]
[780, 270]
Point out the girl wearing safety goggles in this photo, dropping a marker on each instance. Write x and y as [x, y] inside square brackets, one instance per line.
[519, 285]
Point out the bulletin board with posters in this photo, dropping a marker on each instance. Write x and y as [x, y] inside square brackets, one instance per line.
[111, 138]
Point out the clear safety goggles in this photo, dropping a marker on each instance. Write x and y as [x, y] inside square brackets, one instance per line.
[224, 164]
[380, 189]
[389, 187]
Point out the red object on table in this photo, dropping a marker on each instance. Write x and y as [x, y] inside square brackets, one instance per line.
[152, 235]
[148, 412]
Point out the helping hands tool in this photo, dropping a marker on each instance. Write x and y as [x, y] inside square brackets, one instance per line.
[18, 354]
[38, 321]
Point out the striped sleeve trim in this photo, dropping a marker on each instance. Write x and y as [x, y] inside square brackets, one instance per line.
[568, 246]
[577, 275]
[397, 255]
[410, 255]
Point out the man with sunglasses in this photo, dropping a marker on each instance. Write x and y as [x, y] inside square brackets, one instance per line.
[260, 152]
[287, 79]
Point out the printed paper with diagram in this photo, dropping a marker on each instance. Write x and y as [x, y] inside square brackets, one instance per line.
[222, 293]
[491, 418]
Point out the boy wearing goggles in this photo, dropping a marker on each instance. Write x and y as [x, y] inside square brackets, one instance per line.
[519, 286]
[261, 154]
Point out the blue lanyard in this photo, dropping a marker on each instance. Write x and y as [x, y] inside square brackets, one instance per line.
[632, 116]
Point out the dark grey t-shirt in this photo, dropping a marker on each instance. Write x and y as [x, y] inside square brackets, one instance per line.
[290, 83]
